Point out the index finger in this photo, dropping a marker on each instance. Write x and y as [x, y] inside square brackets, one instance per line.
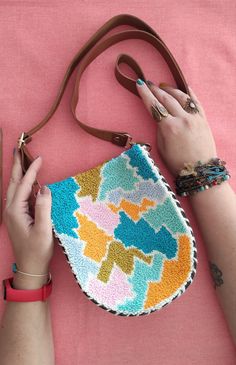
[16, 176]
[153, 105]
[24, 189]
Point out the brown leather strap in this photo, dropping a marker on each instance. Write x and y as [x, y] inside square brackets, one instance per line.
[86, 55]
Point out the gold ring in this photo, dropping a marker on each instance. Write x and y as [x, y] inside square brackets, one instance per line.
[158, 111]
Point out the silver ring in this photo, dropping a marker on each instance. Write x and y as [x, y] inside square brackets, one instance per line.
[190, 106]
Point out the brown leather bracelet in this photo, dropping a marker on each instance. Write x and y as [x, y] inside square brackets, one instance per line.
[94, 47]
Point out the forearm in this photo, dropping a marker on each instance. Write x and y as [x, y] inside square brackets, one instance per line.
[215, 211]
[26, 334]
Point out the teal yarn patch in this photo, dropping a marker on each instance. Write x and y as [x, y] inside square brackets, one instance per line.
[165, 214]
[124, 176]
[142, 236]
[137, 159]
[64, 205]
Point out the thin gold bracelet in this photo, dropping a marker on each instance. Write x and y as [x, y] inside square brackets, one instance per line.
[15, 270]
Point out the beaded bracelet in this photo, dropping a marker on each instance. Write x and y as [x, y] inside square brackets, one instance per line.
[197, 177]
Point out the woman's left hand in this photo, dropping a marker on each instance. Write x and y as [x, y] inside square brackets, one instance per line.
[182, 137]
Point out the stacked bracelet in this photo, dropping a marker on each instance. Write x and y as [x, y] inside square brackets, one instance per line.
[15, 269]
[198, 177]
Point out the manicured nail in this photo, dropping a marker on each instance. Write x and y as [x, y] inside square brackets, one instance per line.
[44, 189]
[140, 82]
[150, 83]
[163, 84]
[36, 157]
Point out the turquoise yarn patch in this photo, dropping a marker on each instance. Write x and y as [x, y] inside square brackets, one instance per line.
[150, 273]
[64, 205]
[138, 160]
[141, 235]
[124, 177]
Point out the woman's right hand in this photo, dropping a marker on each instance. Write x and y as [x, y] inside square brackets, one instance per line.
[31, 237]
[182, 137]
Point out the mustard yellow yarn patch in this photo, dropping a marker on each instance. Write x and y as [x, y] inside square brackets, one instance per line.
[133, 210]
[122, 257]
[89, 182]
[96, 239]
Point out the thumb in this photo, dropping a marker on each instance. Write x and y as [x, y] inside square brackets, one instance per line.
[43, 203]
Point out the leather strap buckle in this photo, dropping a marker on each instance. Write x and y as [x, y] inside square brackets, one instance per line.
[24, 138]
[147, 145]
[122, 139]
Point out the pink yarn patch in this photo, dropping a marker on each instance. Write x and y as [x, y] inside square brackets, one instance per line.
[100, 213]
[112, 293]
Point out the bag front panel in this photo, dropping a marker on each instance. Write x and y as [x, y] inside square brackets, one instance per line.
[126, 237]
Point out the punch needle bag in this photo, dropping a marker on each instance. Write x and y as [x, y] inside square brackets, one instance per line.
[126, 237]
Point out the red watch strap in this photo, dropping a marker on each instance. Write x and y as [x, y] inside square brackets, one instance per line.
[19, 295]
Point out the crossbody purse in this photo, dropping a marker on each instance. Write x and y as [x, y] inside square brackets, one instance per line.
[125, 235]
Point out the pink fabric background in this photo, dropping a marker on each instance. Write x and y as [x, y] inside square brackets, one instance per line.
[37, 41]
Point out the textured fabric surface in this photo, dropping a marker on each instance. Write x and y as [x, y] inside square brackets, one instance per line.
[126, 238]
[38, 40]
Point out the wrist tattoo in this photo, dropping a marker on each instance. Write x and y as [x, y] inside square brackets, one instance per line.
[216, 274]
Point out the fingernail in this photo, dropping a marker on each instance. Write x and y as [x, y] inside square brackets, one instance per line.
[150, 83]
[163, 84]
[36, 157]
[44, 189]
[140, 82]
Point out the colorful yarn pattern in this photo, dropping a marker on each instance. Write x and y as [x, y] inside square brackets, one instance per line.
[126, 237]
